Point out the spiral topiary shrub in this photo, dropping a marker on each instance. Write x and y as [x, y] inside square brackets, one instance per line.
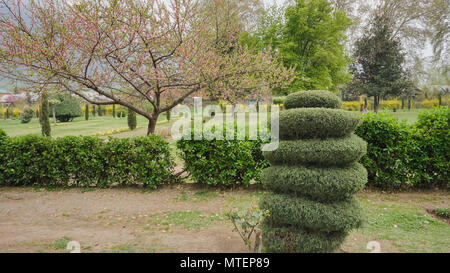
[313, 99]
[313, 177]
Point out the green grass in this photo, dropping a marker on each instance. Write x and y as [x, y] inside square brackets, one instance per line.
[60, 244]
[79, 126]
[408, 227]
[189, 220]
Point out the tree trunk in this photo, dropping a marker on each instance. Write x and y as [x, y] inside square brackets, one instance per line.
[403, 103]
[152, 125]
[409, 104]
[376, 103]
[54, 114]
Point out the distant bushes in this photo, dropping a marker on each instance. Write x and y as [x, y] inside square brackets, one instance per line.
[403, 156]
[68, 109]
[84, 161]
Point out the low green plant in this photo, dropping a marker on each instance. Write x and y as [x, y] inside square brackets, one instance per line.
[27, 115]
[442, 212]
[246, 223]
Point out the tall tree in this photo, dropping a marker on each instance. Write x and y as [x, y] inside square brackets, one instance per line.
[378, 67]
[309, 35]
[131, 52]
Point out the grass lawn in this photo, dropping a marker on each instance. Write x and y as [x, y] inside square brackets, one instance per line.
[190, 218]
[79, 126]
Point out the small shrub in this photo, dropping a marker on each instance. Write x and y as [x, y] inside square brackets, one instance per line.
[442, 212]
[390, 104]
[430, 103]
[3, 136]
[132, 119]
[121, 113]
[68, 109]
[279, 100]
[313, 99]
[27, 115]
[226, 163]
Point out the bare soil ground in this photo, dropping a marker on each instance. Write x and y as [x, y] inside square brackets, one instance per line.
[179, 218]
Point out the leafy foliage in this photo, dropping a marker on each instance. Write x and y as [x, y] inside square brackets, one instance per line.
[378, 69]
[85, 161]
[68, 108]
[132, 123]
[246, 222]
[227, 163]
[432, 136]
[27, 115]
[400, 156]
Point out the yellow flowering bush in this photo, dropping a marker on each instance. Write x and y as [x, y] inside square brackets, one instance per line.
[390, 104]
[430, 103]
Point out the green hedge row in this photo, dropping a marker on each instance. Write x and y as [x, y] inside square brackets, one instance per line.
[85, 161]
[318, 183]
[309, 214]
[304, 123]
[226, 163]
[312, 99]
[401, 156]
[321, 152]
[297, 240]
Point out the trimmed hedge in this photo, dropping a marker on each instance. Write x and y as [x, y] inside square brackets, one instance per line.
[85, 161]
[303, 212]
[401, 156]
[226, 163]
[292, 239]
[318, 183]
[322, 152]
[304, 123]
[313, 99]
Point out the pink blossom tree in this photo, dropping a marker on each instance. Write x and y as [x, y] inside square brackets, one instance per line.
[147, 55]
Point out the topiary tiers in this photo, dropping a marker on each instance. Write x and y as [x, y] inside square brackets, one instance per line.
[296, 240]
[313, 177]
[303, 212]
[316, 123]
[318, 183]
[312, 99]
[322, 152]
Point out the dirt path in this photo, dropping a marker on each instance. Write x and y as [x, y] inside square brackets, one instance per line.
[174, 219]
[180, 218]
